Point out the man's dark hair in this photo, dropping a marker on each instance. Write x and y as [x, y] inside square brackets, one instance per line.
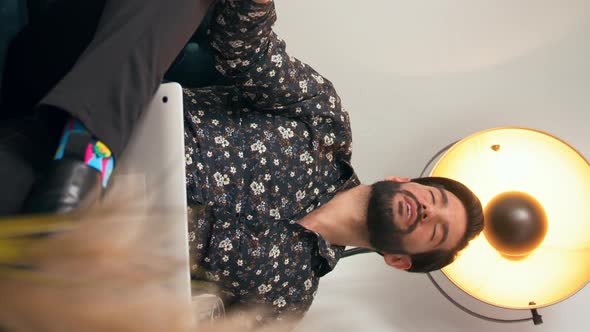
[437, 259]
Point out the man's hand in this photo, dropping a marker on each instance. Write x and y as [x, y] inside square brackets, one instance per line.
[262, 1]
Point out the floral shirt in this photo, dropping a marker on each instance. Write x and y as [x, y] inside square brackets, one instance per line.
[260, 155]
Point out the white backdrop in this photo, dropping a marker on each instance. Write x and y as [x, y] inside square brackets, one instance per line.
[416, 75]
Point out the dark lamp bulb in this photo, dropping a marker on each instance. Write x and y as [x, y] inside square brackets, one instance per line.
[515, 224]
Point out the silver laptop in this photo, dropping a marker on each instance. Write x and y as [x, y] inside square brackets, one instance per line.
[153, 165]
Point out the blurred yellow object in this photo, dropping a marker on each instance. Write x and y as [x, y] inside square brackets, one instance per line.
[508, 159]
[104, 269]
[19, 237]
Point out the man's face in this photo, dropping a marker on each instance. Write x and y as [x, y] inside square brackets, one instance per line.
[421, 219]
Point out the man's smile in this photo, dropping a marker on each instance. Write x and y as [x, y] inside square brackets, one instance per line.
[411, 211]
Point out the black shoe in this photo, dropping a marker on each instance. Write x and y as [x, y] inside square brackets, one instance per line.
[68, 185]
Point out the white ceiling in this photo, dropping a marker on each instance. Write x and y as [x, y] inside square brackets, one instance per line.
[417, 75]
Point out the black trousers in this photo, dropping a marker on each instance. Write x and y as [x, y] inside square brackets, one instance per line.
[100, 61]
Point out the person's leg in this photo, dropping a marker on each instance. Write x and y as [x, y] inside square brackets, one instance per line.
[117, 75]
[44, 51]
[109, 85]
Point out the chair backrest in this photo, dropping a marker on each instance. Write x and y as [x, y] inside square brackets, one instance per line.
[194, 65]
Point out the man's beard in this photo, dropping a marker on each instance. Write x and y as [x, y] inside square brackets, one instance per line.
[384, 233]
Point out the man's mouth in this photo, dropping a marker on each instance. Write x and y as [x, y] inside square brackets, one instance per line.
[410, 210]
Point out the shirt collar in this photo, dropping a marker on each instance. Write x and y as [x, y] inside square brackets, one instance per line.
[329, 253]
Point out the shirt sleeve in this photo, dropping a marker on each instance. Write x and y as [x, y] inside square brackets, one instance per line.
[247, 51]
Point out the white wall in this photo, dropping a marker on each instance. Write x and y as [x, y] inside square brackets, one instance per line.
[416, 75]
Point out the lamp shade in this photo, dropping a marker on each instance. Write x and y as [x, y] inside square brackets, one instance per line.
[540, 186]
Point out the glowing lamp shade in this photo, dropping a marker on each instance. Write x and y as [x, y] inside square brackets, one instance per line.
[535, 190]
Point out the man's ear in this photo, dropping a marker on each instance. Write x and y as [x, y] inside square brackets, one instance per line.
[402, 262]
[397, 179]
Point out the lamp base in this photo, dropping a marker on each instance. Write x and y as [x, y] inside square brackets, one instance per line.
[537, 319]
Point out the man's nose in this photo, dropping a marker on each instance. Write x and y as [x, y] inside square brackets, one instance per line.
[427, 212]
